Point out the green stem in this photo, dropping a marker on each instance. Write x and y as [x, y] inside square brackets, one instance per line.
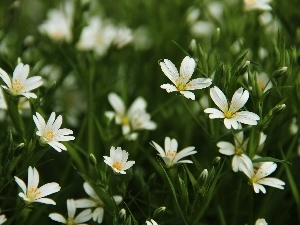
[199, 123]
[221, 215]
[236, 204]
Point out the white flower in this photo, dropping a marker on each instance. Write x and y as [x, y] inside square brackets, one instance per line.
[133, 119]
[94, 202]
[20, 84]
[170, 154]
[32, 193]
[230, 111]
[98, 35]
[51, 133]
[123, 37]
[58, 25]
[263, 81]
[151, 222]
[82, 217]
[261, 222]
[118, 160]
[237, 150]
[262, 5]
[258, 176]
[181, 80]
[2, 219]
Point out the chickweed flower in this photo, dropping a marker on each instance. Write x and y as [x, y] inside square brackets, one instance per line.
[170, 154]
[237, 150]
[118, 160]
[261, 5]
[94, 202]
[133, 119]
[258, 176]
[51, 133]
[80, 219]
[31, 192]
[181, 80]
[229, 112]
[20, 84]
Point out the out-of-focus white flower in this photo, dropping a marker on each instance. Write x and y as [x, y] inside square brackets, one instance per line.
[123, 37]
[32, 193]
[216, 9]
[170, 154]
[181, 80]
[142, 38]
[261, 222]
[202, 28]
[294, 127]
[258, 176]
[51, 133]
[94, 202]
[193, 15]
[80, 219]
[133, 119]
[118, 160]
[261, 5]
[3, 104]
[151, 222]
[58, 25]
[230, 111]
[97, 36]
[20, 84]
[204, 174]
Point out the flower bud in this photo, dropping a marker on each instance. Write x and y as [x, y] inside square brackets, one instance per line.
[93, 160]
[193, 45]
[204, 174]
[122, 214]
[279, 72]
[216, 36]
[159, 210]
[278, 109]
[216, 160]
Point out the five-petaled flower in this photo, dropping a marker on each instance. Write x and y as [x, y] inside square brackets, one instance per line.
[20, 84]
[237, 150]
[118, 160]
[32, 193]
[133, 119]
[94, 202]
[181, 80]
[229, 112]
[80, 219]
[258, 176]
[51, 133]
[170, 154]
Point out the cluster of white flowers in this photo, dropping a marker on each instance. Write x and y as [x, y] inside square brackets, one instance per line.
[233, 118]
[134, 119]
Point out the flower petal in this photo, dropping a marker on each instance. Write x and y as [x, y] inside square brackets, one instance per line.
[219, 98]
[238, 100]
[188, 94]
[57, 217]
[198, 83]
[117, 103]
[169, 87]
[187, 67]
[169, 70]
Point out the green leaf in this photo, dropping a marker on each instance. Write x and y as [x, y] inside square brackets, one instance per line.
[270, 159]
[184, 197]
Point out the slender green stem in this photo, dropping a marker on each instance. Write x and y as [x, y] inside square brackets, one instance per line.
[221, 215]
[236, 204]
[199, 123]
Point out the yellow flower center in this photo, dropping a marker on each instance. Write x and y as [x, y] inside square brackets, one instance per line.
[229, 114]
[250, 2]
[238, 151]
[70, 222]
[33, 193]
[124, 120]
[181, 87]
[170, 153]
[48, 135]
[16, 87]
[117, 165]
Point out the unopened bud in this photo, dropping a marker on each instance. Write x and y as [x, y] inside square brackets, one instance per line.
[122, 214]
[278, 109]
[216, 36]
[204, 174]
[279, 72]
[93, 160]
[216, 160]
[159, 210]
[18, 150]
[193, 45]
[243, 68]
